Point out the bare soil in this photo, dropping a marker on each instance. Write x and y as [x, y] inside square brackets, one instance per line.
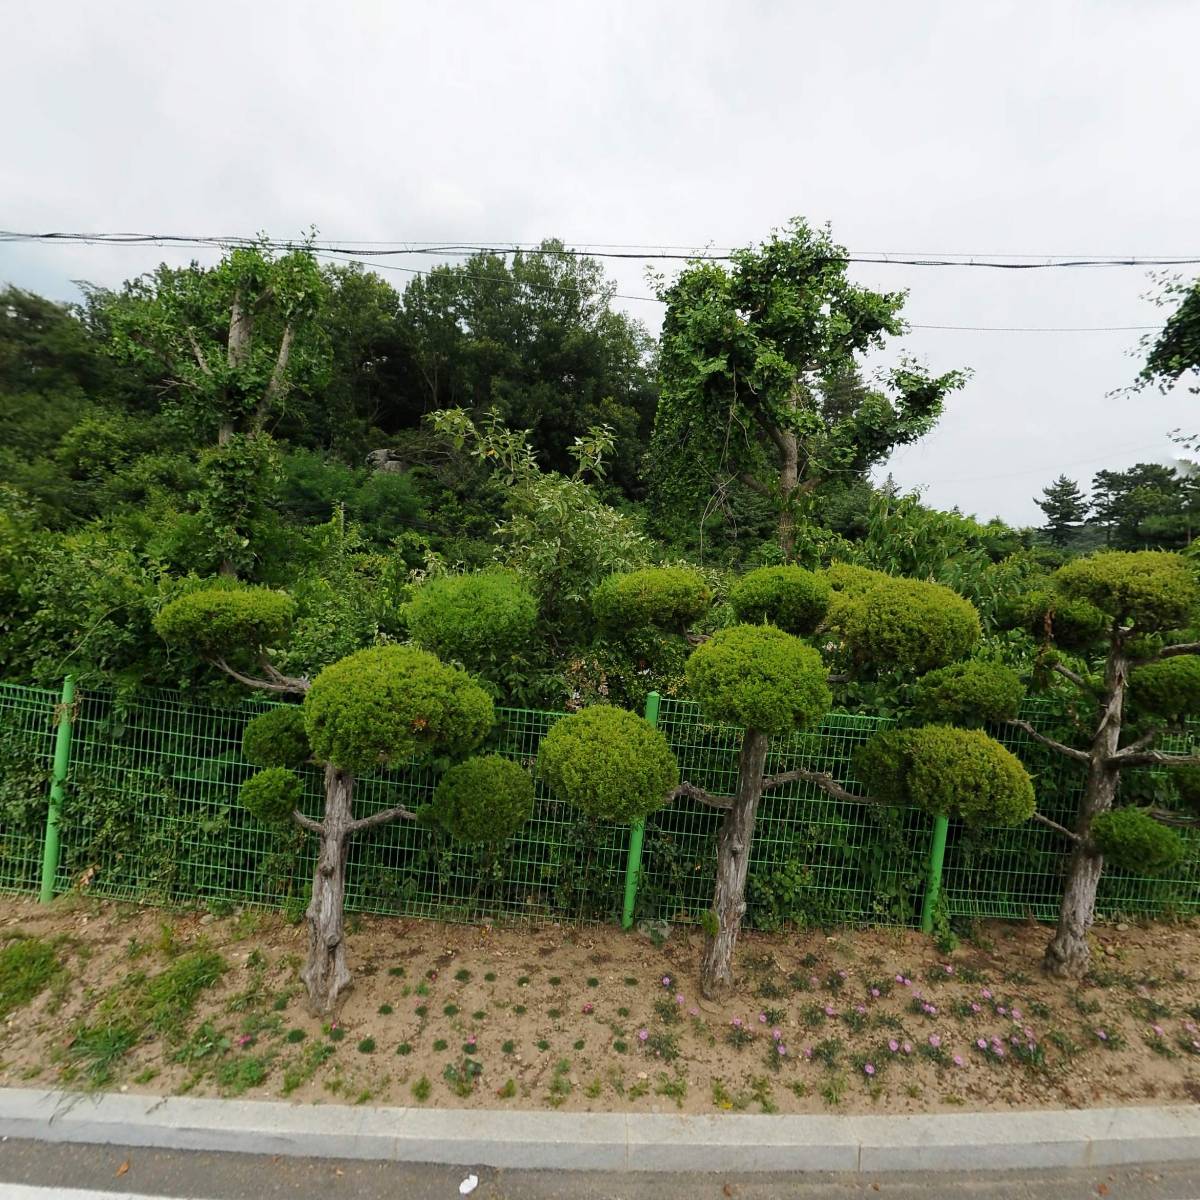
[592, 1019]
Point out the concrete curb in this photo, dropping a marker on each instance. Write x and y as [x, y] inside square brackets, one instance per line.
[611, 1141]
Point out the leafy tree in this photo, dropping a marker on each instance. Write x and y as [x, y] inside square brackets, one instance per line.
[1174, 353]
[1148, 506]
[759, 384]
[1122, 612]
[1065, 507]
[383, 706]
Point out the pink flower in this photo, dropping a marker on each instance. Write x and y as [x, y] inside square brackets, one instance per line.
[1016, 1014]
[808, 1052]
[999, 1051]
[975, 1007]
[736, 1022]
[471, 1040]
[1157, 1030]
[248, 1038]
[981, 1043]
[776, 1034]
[693, 1012]
[906, 981]
[666, 981]
[830, 1011]
[1102, 1035]
[813, 981]
[958, 1060]
[907, 1047]
[678, 997]
[899, 978]
[781, 1048]
[762, 1018]
[643, 1034]
[841, 974]
[934, 1040]
[860, 1009]
[985, 993]
[587, 1008]
[869, 1069]
[875, 993]
[949, 969]
[1001, 1010]
[893, 1045]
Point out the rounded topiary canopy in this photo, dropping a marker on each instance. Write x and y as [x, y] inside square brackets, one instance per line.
[906, 624]
[610, 763]
[662, 597]
[1169, 689]
[277, 738]
[390, 703]
[485, 799]
[852, 580]
[1150, 589]
[472, 617]
[968, 693]
[1187, 786]
[219, 621]
[272, 795]
[1071, 624]
[790, 597]
[759, 677]
[1133, 841]
[954, 772]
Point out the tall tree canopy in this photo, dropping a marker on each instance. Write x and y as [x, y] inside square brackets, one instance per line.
[1065, 507]
[759, 380]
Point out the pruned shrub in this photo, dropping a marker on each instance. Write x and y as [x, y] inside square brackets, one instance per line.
[1048, 615]
[791, 598]
[272, 795]
[758, 677]
[664, 597]
[954, 772]
[1169, 688]
[1133, 841]
[485, 799]
[1151, 589]
[390, 703]
[970, 693]
[472, 618]
[216, 621]
[276, 738]
[610, 763]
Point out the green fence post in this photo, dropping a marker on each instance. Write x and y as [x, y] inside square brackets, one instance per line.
[62, 762]
[637, 833]
[933, 888]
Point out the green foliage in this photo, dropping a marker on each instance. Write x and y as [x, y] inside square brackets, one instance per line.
[1152, 589]
[791, 598]
[906, 624]
[1071, 624]
[276, 738]
[1187, 787]
[1132, 840]
[758, 677]
[28, 965]
[473, 619]
[485, 799]
[610, 763]
[1169, 688]
[272, 795]
[389, 703]
[1175, 352]
[956, 772]
[672, 598]
[1065, 507]
[221, 621]
[969, 693]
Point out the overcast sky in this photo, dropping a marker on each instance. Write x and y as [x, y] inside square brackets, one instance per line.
[992, 128]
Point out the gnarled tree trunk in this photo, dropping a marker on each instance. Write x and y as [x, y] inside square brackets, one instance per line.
[1068, 955]
[733, 857]
[325, 974]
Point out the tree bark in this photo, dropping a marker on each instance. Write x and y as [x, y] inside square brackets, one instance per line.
[1068, 955]
[325, 974]
[789, 476]
[733, 857]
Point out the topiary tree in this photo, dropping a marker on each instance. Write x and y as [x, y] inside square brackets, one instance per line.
[766, 679]
[1123, 612]
[379, 707]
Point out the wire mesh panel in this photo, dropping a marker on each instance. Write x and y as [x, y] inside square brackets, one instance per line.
[27, 731]
[814, 859]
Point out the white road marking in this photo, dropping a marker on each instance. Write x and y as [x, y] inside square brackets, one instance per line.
[25, 1191]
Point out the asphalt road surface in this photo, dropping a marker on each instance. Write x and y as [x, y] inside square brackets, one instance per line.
[41, 1171]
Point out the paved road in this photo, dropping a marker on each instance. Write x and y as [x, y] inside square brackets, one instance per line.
[40, 1171]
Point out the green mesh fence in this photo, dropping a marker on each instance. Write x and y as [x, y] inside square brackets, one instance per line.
[151, 814]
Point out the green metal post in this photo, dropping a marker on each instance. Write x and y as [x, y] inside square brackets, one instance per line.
[62, 763]
[637, 833]
[933, 888]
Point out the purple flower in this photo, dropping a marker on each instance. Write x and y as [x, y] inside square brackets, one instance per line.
[907, 1047]
[841, 974]
[949, 969]
[471, 1040]
[781, 1048]
[678, 997]
[776, 1034]
[934, 1040]
[693, 1012]
[981, 1043]
[666, 981]
[1102, 1035]
[999, 1051]
[736, 1022]
[860, 1009]
[587, 1008]
[830, 1011]
[875, 993]
[1016, 1014]
[985, 993]
[958, 1060]
[1001, 1010]
[899, 978]
[762, 1018]
[893, 1045]
[808, 1052]
[1157, 1030]
[975, 1007]
[643, 1034]
[869, 1069]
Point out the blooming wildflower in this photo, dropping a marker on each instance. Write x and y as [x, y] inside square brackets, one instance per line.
[999, 1051]
[666, 981]
[906, 981]
[781, 1048]
[830, 1011]
[1001, 1010]
[762, 1018]
[1027, 1032]
[776, 1034]
[1016, 1041]
[981, 1043]
[934, 1040]
[248, 1038]
[736, 1022]
[949, 969]
[1016, 1014]
[869, 1069]
[471, 1040]
[643, 1034]
[907, 1047]
[693, 1012]
[860, 1009]
[813, 981]
[985, 993]
[678, 997]
[958, 1060]
[893, 1045]
[808, 1052]
[875, 993]
[899, 978]
[1102, 1035]
[587, 1008]
[841, 974]
[975, 1007]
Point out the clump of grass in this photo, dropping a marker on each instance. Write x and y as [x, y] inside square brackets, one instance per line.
[336, 1033]
[554, 1013]
[674, 1089]
[386, 1010]
[519, 1009]
[404, 1049]
[295, 1035]
[543, 1044]
[421, 1089]
[479, 1015]
[367, 1046]
[663, 1045]
[630, 981]
[508, 1091]
[508, 1047]
[27, 967]
[667, 1011]
[462, 975]
[451, 1010]
[593, 982]
[579, 1044]
[490, 977]
[396, 972]
[239, 1074]
[302, 1070]
[440, 1045]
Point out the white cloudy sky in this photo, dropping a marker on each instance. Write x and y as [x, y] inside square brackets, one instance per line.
[987, 127]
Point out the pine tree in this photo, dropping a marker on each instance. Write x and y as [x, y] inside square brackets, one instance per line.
[1065, 507]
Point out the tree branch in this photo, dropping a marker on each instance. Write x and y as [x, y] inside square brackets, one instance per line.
[1037, 816]
[692, 792]
[756, 485]
[1153, 758]
[298, 684]
[1077, 679]
[284, 684]
[385, 817]
[1179, 648]
[1078, 755]
[277, 387]
[306, 822]
[1140, 744]
[201, 361]
[826, 783]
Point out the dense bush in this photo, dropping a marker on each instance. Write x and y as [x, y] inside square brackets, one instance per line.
[472, 618]
[905, 624]
[1152, 589]
[790, 597]
[955, 772]
[665, 597]
[1169, 688]
[610, 763]
[1187, 786]
[1071, 624]
[215, 620]
[1133, 841]
[968, 693]
[853, 580]
[389, 703]
[758, 677]
[276, 738]
[272, 795]
[485, 799]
